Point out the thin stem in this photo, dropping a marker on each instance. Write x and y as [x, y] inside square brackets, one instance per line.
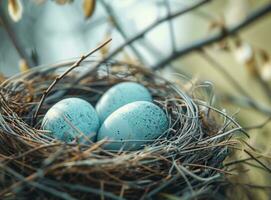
[156, 52]
[144, 32]
[76, 64]
[259, 126]
[222, 70]
[249, 103]
[119, 28]
[170, 26]
[258, 161]
[247, 99]
[197, 45]
[265, 86]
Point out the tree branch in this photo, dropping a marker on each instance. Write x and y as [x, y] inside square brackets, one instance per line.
[197, 45]
[247, 103]
[246, 99]
[258, 161]
[76, 64]
[170, 27]
[225, 73]
[118, 27]
[144, 32]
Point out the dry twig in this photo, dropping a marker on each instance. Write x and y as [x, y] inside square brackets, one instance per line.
[76, 64]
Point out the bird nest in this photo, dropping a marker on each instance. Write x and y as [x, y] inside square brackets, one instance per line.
[187, 161]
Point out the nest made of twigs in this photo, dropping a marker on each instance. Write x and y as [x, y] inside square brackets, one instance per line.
[186, 162]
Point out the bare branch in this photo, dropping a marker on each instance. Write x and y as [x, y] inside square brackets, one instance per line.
[248, 103]
[259, 126]
[258, 161]
[76, 64]
[118, 27]
[246, 99]
[145, 31]
[170, 26]
[197, 45]
[222, 70]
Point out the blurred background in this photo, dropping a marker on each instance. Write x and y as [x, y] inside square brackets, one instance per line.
[226, 42]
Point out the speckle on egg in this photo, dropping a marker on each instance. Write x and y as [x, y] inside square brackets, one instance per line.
[119, 95]
[132, 125]
[71, 118]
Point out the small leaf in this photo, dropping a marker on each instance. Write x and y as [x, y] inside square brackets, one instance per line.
[15, 9]
[89, 7]
[266, 71]
[224, 45]
[264, 55]
[170, 196]
[217, 24]
[23, 66]
[244, 53]
[104, 51]
[2, 78]
[62, 2]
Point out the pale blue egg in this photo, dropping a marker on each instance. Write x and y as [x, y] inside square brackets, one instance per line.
[119, 95]
[133, 125]
[72, 118]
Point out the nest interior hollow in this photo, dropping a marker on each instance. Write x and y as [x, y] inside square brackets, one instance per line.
[187, 161]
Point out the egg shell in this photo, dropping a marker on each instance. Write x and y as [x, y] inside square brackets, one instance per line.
[119, 95]
[71, 117]
[131, 124]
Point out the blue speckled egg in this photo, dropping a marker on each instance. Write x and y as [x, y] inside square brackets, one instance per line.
[119, 95]
[71, 118]
[133, 125]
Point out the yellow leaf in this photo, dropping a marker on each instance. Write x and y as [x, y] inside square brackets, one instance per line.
[244, 53]
[62, 2]
[23, 66]
[15, 9]
[2, 78]
[104, 51]
[218, 23]
[89, 7]
[266, 72]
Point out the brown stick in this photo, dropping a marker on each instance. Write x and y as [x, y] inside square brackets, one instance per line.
[142, 33]
[258, 161]
[199, 44]
[110, 11]
[76, 64]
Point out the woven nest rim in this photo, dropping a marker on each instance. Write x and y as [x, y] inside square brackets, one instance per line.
[187, 162]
